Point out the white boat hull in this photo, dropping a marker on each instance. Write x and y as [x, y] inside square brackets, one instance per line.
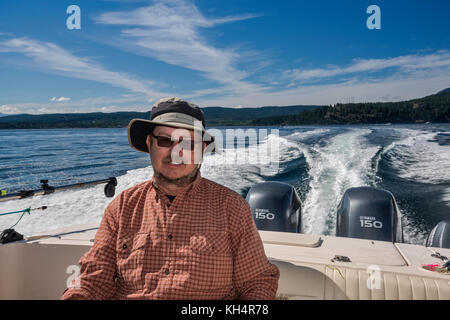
[39, 268]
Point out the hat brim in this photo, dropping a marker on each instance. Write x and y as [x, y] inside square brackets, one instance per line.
[138, 129]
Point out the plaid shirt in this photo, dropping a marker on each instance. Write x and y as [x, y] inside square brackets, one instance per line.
[203, 245]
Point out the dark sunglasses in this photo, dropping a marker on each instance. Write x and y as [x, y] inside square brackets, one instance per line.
[167, 142]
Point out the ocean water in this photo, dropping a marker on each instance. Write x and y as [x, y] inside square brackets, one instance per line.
[321, 162]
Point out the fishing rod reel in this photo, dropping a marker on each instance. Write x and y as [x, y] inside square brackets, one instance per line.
[47, 189]
[10, 235]
[109, 190]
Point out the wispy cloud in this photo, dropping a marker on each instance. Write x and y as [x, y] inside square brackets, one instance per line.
[405, 64]
[164, 14]
[125, 102]
[8, 109]
[170, 31]
[394, 88]
[60, 99]
[50, 57]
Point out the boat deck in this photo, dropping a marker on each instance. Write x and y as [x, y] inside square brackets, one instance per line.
[311, 266]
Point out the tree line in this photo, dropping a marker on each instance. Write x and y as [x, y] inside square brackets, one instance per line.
[434, 108]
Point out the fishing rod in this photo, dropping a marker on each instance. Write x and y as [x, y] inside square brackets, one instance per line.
[109, 190]
[11, 235]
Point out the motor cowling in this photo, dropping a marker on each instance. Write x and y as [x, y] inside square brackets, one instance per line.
[369, 213]
[276, 206]
[439, 237]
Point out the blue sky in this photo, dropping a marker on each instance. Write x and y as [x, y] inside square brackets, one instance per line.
[130, 53]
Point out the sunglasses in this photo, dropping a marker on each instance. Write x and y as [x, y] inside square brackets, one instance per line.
[167, 142]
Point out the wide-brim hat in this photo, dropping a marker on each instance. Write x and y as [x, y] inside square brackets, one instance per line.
[170, 112]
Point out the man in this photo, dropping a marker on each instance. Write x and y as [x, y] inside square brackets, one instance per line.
[177, 236]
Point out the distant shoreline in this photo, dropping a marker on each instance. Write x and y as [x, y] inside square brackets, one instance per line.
[431, 109]
[254, 126]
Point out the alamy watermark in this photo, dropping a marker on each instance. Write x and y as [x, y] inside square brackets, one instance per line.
[374, 279]
[258, 147]
[374, 21]
[74, 20]
[73, 281]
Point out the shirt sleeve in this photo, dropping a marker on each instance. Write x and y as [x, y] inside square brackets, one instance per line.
[254, 277]
[98, 265]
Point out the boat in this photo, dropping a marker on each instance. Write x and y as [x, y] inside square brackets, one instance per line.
[366, 259]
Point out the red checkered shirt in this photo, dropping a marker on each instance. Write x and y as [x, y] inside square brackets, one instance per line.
[203, 245]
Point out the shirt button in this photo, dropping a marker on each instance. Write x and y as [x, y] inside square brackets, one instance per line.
[124, 246]
[166, 271]
[170, 236]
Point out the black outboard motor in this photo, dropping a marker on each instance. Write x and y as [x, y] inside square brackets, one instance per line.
[369, 213]
[275, 206]
[439, 237]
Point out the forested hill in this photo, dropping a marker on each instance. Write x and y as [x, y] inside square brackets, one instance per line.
[70, 120]
[215, 116]
[434, 108]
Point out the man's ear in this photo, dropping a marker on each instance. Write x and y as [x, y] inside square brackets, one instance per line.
[148, 142]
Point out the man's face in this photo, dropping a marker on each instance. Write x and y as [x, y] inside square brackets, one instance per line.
[175, 161]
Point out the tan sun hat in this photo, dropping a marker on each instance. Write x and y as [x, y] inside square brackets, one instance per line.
[170, 112]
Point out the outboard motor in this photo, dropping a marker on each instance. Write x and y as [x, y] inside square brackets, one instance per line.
[275, 206]
[369, 213]
[439, 237]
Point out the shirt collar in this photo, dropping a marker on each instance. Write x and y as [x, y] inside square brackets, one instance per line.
[193, 186]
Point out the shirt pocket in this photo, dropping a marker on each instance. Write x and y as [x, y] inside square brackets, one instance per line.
[130, 259]
[211, 261]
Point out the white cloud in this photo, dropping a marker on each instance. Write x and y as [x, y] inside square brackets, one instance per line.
[50, 57]
[167, 13]
[111, 108]
[126, 102]
[46, 110]
[388, 89]
[408, 64]
[7, 109]
[363, 91]
[169, 31]
[60, 99]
